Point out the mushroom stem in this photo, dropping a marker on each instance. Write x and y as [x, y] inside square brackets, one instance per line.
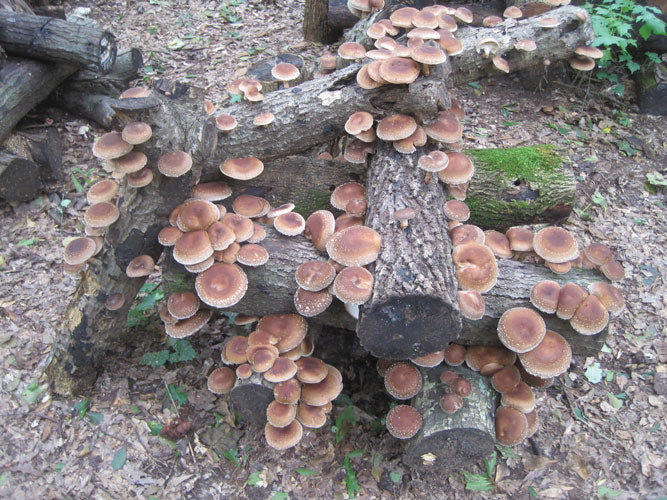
[285, 85]
[427, 177]
[404, 224]
[425, 69]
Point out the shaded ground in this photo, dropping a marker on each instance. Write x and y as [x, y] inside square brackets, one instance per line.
[602, 424]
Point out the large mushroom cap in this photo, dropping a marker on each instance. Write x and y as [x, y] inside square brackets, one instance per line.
[288, 329]
[242, 168]
[591, 316]
[101, 214]
[192, 248]
[521, 329]
[354, 246]
[476, 267]
[311, 370]
[555, 244]
[610, 296]
[130, 163]
[520, 238]
[396, 127]
[186, 327]
[446, 128]
[353, 285]
[511, 426]
[322, 392]
[104, 190]
[315, 275]
[283, 369]
[196, 215]
[136, 132]
[403, 380]
[221, 380]
[311, 416]
[399, 70]
[285, 72]
[289, 224]
[79, 250]
[111, 145]
[460, 169]
[221, 285]
[544, 296]
[344, 193]
[280, 415]
[569, 298]
[506, 379]
[598, 253]
[142, 265]
[550, 358]
[521, 398]
[175, 164]
[311, 304]
[403, 421]
[358, 122]
[282, 438]
[234, 351]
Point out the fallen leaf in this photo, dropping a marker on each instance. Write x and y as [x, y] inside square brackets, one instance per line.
[535, 462]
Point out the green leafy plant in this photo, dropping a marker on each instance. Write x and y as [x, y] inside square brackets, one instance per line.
[482, 482]
[344, 422]
[176, 394]
[149, 295]
[179, 350]
[350, 474]
[618, 24]
[87, 178]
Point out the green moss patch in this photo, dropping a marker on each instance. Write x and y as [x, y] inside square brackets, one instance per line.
[313, 200]
[528, 164]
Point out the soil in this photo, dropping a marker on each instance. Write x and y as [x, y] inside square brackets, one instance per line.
[601, 423]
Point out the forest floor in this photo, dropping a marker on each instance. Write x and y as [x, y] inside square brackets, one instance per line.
[601, 423]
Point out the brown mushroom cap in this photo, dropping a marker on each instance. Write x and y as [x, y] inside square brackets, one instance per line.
[550, 358]
[285, 72]
[428, 54]
[591, 316]
[435, 161]
[142, 265]
[481, 357]
[346, 192]
[114, 301]
[402, 18]
[282, 438]
[311, 304]
[491, 21]
[351, 51]
[446, 128]
[111, 145]
[501, 64]
[135, 93]
[242, 226]
[283, 369]
[398, 70]
[403, 380]
[220, 235]
[548, 22]
[101, 214]
[429, 360]
[582, 63]
[235, 349]
[79, 250]
[221, 380]
[520, 238]
[315, 275]
[321, 393]
[289, 224]
[451, 402]
[252, 255]
[471, 304]
[506, 379]
[140, 179]
[569, 298]
[588, 51]
[511, 426]
[520, 398]
[136, 132]
[544, 296]
[476, 267]
[175, 164]
[222, 285]
[288, 329]
[311, 416]
[457, 210]
[454, 354]
[461, 386]
[498, 243]
[168, 236]
[279, 414]
[598, 253]
[533, 423]
[263, 119]
[425, 19]
[183, 305]
[513, 12]
[196, 215]
[555, 244]
[262, 357]
[396, 127]
[244, 371]
[354, 246]
[311, 370]
[250, 206]
[104, 190]
[242, 168]
[525, 45]
[192, 248]
[186, 327]
[460, 169]
[613, 270]
[403, 421]
[358, 122]
[225, 123]
[532, 380]
[610, 296]
[521, 329]
[288, 391]
[132, 162]
[353, 285]
[466, 233]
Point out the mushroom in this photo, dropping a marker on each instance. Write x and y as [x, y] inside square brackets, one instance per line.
[521, 329]
[403, 381]
[285, 72]
[403, 421]
[454, 354]
[175, 164]
[403, 215]
[487, 47]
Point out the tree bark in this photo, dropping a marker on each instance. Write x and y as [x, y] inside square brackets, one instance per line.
[450, 442]
[24, 84]
[89, 328]
[652, 88]
[125, 69]
[41, 146]
[250, 398]
[19, 178]
[57, 41]
[415, 286]
[316, 21]
[3, 57]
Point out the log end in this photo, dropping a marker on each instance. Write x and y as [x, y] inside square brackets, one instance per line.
[408, 326]
[107, 51]
[250, 402]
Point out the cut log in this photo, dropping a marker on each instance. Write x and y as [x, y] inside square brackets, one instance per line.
[261, 71]
[125, 69]
[250, 398]
[652, 88]
[553, 44]
[415, 286]
[450, 442]
[99, 108]
[23, 84]
[19, 178]
[3, 57]
[89, 328]
[41, 146]
[57, 41]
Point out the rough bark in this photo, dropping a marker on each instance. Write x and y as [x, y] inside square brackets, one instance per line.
[652, 88]
[316, 21]
[553, 44]
[451, 442]
[57, 41]
[23, 84]
[250, 398]
[99, 108]
[89, 328]
[125, 69]
[3, 57]
[41, 146]
[415, 286]
[19, 178]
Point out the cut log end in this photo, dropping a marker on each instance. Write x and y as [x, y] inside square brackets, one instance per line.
[388, 327]
[250, 402]
[107, 52]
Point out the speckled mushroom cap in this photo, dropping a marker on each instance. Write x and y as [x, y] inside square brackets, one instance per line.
[192, 247]
[104, 190]
[569, 298]
[471, 304]
[520, 238]
[288, 329]
[353, 285]
[506, 379]
[425, 19]
[220, 235]
[258, 233]
[263, 119]
[511, 426]
[403, 421]
[548, 22]
[544, 296]
[211, 191]
[311, 304]
[421, 34]
[225, 123]
[183, 305]
[403, 380]
[283, 438]
[200, 266]
[346, 192]
[451, 402]
[242, 169]
[459, 170]
[252, 255]
[234, 351]
[454, 354]
[354, 246]
[101, 214]
[498, 243]
[476, 267]
[525, 45]
[221, 285]
[446, 128]
[175, 164]
[520, 398]
[521, 329]
[428, 54]
[221, 380]
[250, 206]
[136, 132]
[457, 210]
[550, 358]
[591, 316]
[129, 163]
[244, 371]
[142, 265]
[283, 369]
[610, 296]
[197, 214]
[285, 72]
[491, 21]
[396, 127]
[186, 327]
[452, 45]
[79, 250]
[598, 253]
[311, 416]
[289, 224]
[467, 233]
[429, 360]
[351, 51]
[532, 380]
[613, 270]
[402, 18]
[322, 392]
[315, 275]
[140, 178]
[435, 161]
[364, 79]
[358, 122]
[555, 244]
[311, 370]
[398, 70]
[513, 12]
[280, 415]
[242, 226]
[111, 145]
[262, 358]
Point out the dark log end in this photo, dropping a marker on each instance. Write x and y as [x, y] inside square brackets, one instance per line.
[19, 179]
[250, 402]
[107, 52]
[446, 450]
[408, 326]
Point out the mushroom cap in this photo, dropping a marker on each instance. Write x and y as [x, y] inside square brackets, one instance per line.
[403, 380]
[460, 168]
[262, 357]
[168, 236]
[520, 238]
[186, 327]
[446, 128]
[544, 296]
[353, 285]
[582, 63]
[282, 438]
[192, 248]
[491, 21]
[311, 304]
[588, 51]
[452, 45]
[354, 246]
[200, 266]
[501, 64]
[288, 391]
[448, 376]
[244, 371]
[346, 220]
[525, 45]
[111, 145]
[288, 329]
[283, 369]
[457, 210]
[221, 285]
[250, 206]
[476, 267]
[425, 19]
[101, 214]
[136, 132]
[399, 70]
[555, 244]
[258, 233]
[435, 161]
[451, 402]
[591, 316]
[511, 426]
[506, 379]
[461, 386]
[428, 54]
[79, 250]
[211, 191]
[598, 253]
[196, 215]
[550, 358]
[402, 18]
[221, 380]
[285, 72]
[140, 178]
[322, 392]
[104, 190]
[610, 296]
[429, 360]
[351, 51]
[132, 162]
[548, 22]
[455, 354]
[471, 304]
[512, 12]
[234, 350]
[521, 329]
[220, 235]
[532, 380]
[252, 255]
[315, 275]
[520, 398]
[446, 22]
[289, 224]
[175, 164]
[533, 423]
[358, 122]
[562, 268]
[569, 298]
[613, 270]
[142, 265]
[346, 192]
[467, 233]
[396, 127]
[225, 123]
[114, 301]
[242, 226]
[464, 14]
[364, 79]
[311, 370]
[498, 243]
[486, 46]
[135, 93]
[242, 168]
[279, 414]
[263, 119]
[403, 421]
[311, 416]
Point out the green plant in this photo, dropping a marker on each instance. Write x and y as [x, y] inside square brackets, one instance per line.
[149, 295]
[482, 482]
[87, 178]
[617, 25]
[344, 422]
[179, 350]
[350, 474]
[177, 395]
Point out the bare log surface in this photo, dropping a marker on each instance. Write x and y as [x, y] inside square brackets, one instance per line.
[19, 178]
[57, 41]
[451, 442]
[415, 286]
[89, 328]
[3, 57]
[24, 84]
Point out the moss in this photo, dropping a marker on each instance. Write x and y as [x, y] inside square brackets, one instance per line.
[173, 283]
[527, 164]
[312, 201]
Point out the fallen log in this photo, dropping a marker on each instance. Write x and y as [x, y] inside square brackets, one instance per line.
[3, 57]
[88, 327]
[41, 146]
[57, 41]
[652, 88]
[23, 84]
[415, 286]
[19, 178]
[125, 69]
